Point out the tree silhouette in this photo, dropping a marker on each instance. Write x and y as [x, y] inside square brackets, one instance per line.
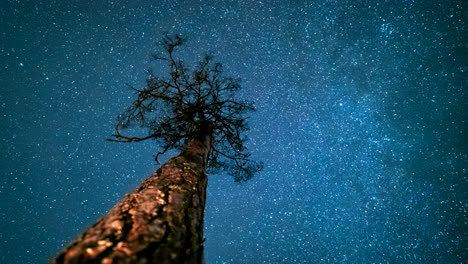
[194, 111]
[192, 105]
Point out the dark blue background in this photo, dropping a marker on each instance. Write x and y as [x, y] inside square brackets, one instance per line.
[361, 123]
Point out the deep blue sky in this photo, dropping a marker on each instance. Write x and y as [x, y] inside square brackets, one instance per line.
[361, 124]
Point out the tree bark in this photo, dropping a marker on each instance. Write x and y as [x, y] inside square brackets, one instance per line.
[160, 222]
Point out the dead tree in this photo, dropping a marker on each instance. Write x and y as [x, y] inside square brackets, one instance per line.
[196, 112]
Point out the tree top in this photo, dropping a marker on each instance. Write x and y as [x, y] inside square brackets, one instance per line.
[187, 103]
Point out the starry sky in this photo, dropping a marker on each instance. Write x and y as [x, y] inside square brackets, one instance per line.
[361, 120]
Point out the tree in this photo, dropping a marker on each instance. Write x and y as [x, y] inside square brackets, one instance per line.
[162, 220]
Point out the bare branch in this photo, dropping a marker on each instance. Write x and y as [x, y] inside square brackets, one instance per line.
[200, 102]
[124, 139]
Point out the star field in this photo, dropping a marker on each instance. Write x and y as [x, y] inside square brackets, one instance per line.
[360, 122]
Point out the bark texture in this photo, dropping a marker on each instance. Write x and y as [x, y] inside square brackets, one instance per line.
[160, 222]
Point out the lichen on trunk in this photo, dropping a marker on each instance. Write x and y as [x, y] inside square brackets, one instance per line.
[160, 222]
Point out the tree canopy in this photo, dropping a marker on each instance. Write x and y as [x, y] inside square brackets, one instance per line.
[188, 103]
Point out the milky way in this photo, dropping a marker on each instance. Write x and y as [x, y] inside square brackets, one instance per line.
[360, 121]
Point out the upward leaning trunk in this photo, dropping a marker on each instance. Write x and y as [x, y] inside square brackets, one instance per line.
[160, 222]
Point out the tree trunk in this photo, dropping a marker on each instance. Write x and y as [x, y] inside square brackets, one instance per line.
[160, 222]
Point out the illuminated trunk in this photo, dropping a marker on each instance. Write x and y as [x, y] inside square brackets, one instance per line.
[160, 222]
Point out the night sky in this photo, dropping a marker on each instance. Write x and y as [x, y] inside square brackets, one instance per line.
[361, 123]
